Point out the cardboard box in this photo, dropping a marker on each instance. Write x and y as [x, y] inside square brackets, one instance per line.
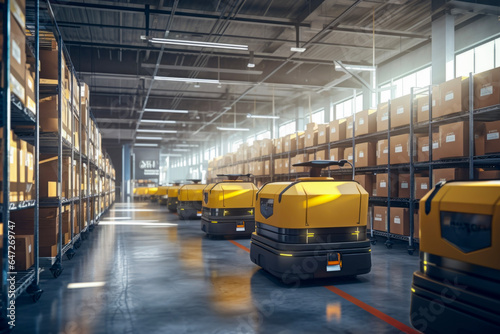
[366, 122]
[492, 137]
[278, 163]
[488, 174]
[382, 152]
[13, 166]
[267, 147]
[448, 174]
[400, 111]
[365, 155]
[400, 221]
[337, 130]
[382, 186]
[380, 218]
[48, 251]
[323, 133]
[336, 154]
[48, 177]
[486, 88]
[29, 90]
[259, 168]
[404, 186]
[382, 117]
[48, 220]
[279, 145]
[285, 166]
[320, 155]
[24, 252]
[290, 142]
[18, 11]
[454, 140]
[49, 117]
[422, 186]
[348, 155]
[366, 181]
[301, 140]
[423, 147]
[299, 158]
[311, 133]
[400, 149]
[17, 49]
[267, 168]
[454, 97]
[423, 105]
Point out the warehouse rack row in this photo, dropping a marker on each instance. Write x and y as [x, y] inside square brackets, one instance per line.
[469, 161]
[53, 163]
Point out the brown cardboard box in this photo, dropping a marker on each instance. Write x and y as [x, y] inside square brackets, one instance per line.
[311, 138]
[365, 155]
[321, 155]
[267, 168]
[382, 116]
[290, 142]
[17, 47]
[311, 126]
[336, 154]
[400, 111]
[366, 122]
[348, 156]
[267, 147]
[13, 166]
[423, 105]
[479, 138]
[279, 145]
[337, 130]
[366, 181]
[423, 148]
[18, 11]
[301, 143]
[382, 152]
[49, 227]
[400, 221]
[48, 251]
[400, 149]
[323, 133]
[30, 164]
[380, 218]
[30, 91]
[285, 167]
[404, 186]
[488, 174]
[492, 136]
[259, 168]
[448, 174]
[382, 186]
[48, 177]
[255, 150]
[49, 116]
[486, 88]
[454, 140]
[299, 158]
[454, 97]
[277, 166]
[24, 252]
[422, 186]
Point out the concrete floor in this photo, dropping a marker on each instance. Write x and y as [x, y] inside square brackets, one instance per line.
[162, 275]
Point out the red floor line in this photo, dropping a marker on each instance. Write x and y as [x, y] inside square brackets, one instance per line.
[239, 245]
[370, 309]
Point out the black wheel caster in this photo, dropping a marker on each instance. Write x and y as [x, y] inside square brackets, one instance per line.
[388, 244]
[70, 253]
[411, 250]
[36, 296]
[35, 292]
[91, 228]
[373, 241]
[78, 243]
[56, 270]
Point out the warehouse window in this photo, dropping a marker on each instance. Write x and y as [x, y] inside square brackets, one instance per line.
[250, 140]
[344, 109]
[212, 153]
[402, 86]
[235, 145]
[287, 128]
[264, 135]
[479, 59]
[317, 117]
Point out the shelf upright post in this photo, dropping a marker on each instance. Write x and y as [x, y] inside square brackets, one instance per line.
[411, 247]
[471, 126]
[388, 242]
[59, 147]
[80, 166]
[6, 166]
[71, 172]
[353, 136]
[431, 144]
[36, 240]
[88, 167]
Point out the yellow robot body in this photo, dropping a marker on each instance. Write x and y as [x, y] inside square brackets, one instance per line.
[459, 259]
[152, 191]
[172, 199]
[162, 195]
[228, 208]
[311, 228]
[190, 198]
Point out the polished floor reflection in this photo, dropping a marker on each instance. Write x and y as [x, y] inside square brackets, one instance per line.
[143, 270]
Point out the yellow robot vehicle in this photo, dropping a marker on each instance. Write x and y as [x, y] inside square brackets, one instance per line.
[152, 191]
[190, 200]
[162, 195]
[314, 227]
[228, 207]
[172, 199]
[457, 289]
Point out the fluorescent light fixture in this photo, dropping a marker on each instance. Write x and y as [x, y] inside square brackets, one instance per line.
[250, 65]
[156, 131]
[180, 150]
[296, 49]
[195, 80]
[86, 285]
[117, 218]
[187, 145]
[355, 68]
[157, 121]
[196, 43]
[251, 62]
[263, 116]
[173, 155]
[148, 138]
[166, 110]
[227, 108]
[146, 145]
[196, 85]
[232, 129]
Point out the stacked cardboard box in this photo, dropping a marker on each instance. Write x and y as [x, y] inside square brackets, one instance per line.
[486, 88]
[311, 135]
[48, 177]
[366, 122]
[382, 186]
[400, 111]
[400, 221]
[423, 105]
[337, 130]
[365, 154]
[454, 97]
[448, 174]
[380, 218]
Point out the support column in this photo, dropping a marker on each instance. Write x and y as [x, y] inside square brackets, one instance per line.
[125, 172]
[443, 48]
